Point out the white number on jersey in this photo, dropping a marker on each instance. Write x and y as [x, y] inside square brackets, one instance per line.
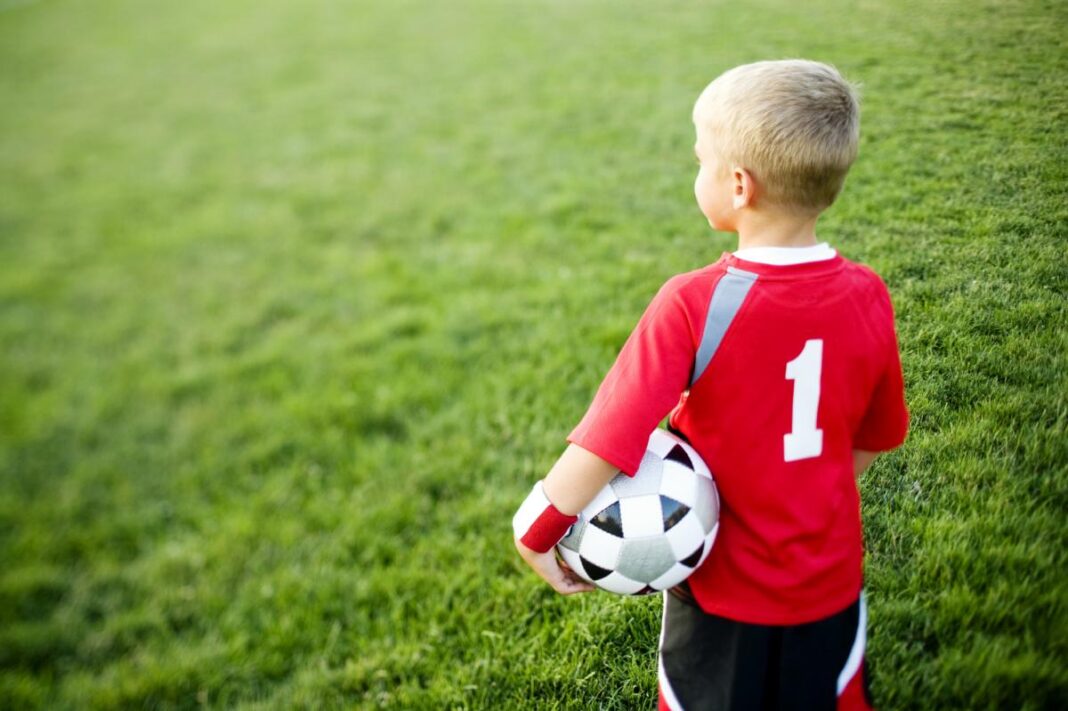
[804, 440]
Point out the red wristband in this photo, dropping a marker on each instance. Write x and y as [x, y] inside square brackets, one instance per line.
[547, 530]
[538, 524]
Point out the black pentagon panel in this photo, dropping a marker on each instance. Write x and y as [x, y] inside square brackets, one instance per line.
[647, 590]
[595, 572]
[609, 520]
[691, 560]
[673, 511]
[678, 454]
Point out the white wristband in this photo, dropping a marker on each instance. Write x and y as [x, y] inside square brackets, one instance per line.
[538, 524]
[529, 510]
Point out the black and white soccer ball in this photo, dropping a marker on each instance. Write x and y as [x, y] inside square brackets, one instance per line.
[647, 533]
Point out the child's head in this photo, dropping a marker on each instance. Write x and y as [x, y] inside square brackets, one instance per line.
[792, 125]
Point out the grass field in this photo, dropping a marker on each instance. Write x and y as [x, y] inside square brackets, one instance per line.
[298, 299]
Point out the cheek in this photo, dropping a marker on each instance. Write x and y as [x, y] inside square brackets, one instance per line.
[699, 186]
[701, 190]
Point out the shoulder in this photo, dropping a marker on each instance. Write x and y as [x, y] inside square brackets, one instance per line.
[698, 282]
[682, 300]
[863, 272]
[874, 298]
[867, 279]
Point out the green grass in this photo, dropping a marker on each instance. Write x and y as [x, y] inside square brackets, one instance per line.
[297, 299]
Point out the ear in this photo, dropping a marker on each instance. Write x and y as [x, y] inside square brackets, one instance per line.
[743, 188]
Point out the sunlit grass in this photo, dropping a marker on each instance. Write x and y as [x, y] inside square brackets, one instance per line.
[297, 299]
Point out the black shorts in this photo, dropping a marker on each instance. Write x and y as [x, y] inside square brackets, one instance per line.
[710, 662]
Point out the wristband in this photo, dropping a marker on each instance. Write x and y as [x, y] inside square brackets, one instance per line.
[538, 524]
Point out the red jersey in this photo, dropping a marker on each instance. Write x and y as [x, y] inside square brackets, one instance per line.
[775, 374]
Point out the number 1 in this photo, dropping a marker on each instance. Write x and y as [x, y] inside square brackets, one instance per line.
[805, 440]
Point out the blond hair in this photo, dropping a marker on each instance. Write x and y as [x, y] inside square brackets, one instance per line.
[794, 124]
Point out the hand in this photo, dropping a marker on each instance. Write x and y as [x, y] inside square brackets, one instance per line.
[553, 571]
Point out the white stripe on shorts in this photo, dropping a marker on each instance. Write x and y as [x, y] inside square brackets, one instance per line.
[856, 654]
[661, 673]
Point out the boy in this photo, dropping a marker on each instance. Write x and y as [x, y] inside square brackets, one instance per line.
[779, 364]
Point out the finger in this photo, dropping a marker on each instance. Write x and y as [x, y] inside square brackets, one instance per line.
[569, 584]
[561, 578]
[572, 576]
[568, 587]
[580, 586]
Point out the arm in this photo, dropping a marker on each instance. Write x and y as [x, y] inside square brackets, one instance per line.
[572, 483]
[862, 459]
[642, 386]
[576, 478]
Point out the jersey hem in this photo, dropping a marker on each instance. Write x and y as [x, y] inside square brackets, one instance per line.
[730, 612]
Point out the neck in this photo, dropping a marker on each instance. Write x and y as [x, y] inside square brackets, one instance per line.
[762, 229]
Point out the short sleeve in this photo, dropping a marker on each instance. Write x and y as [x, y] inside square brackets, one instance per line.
[643, 385]
[886, 420]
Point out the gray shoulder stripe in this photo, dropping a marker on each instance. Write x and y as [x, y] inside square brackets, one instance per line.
[742, 273]
[727, 298]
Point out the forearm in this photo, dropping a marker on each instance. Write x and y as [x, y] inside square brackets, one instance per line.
[576, 478]
[862, 459]
[553, 503]
[572, 483]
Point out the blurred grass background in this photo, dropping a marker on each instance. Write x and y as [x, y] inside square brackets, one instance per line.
[297, 299]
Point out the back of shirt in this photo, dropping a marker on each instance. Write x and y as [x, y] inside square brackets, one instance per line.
[782, 372]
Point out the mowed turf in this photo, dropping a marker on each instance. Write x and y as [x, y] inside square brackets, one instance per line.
[298, 299]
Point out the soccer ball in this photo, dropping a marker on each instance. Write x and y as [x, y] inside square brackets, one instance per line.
[647, 533]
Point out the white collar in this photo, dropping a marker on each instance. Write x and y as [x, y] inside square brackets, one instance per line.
[784, 256]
